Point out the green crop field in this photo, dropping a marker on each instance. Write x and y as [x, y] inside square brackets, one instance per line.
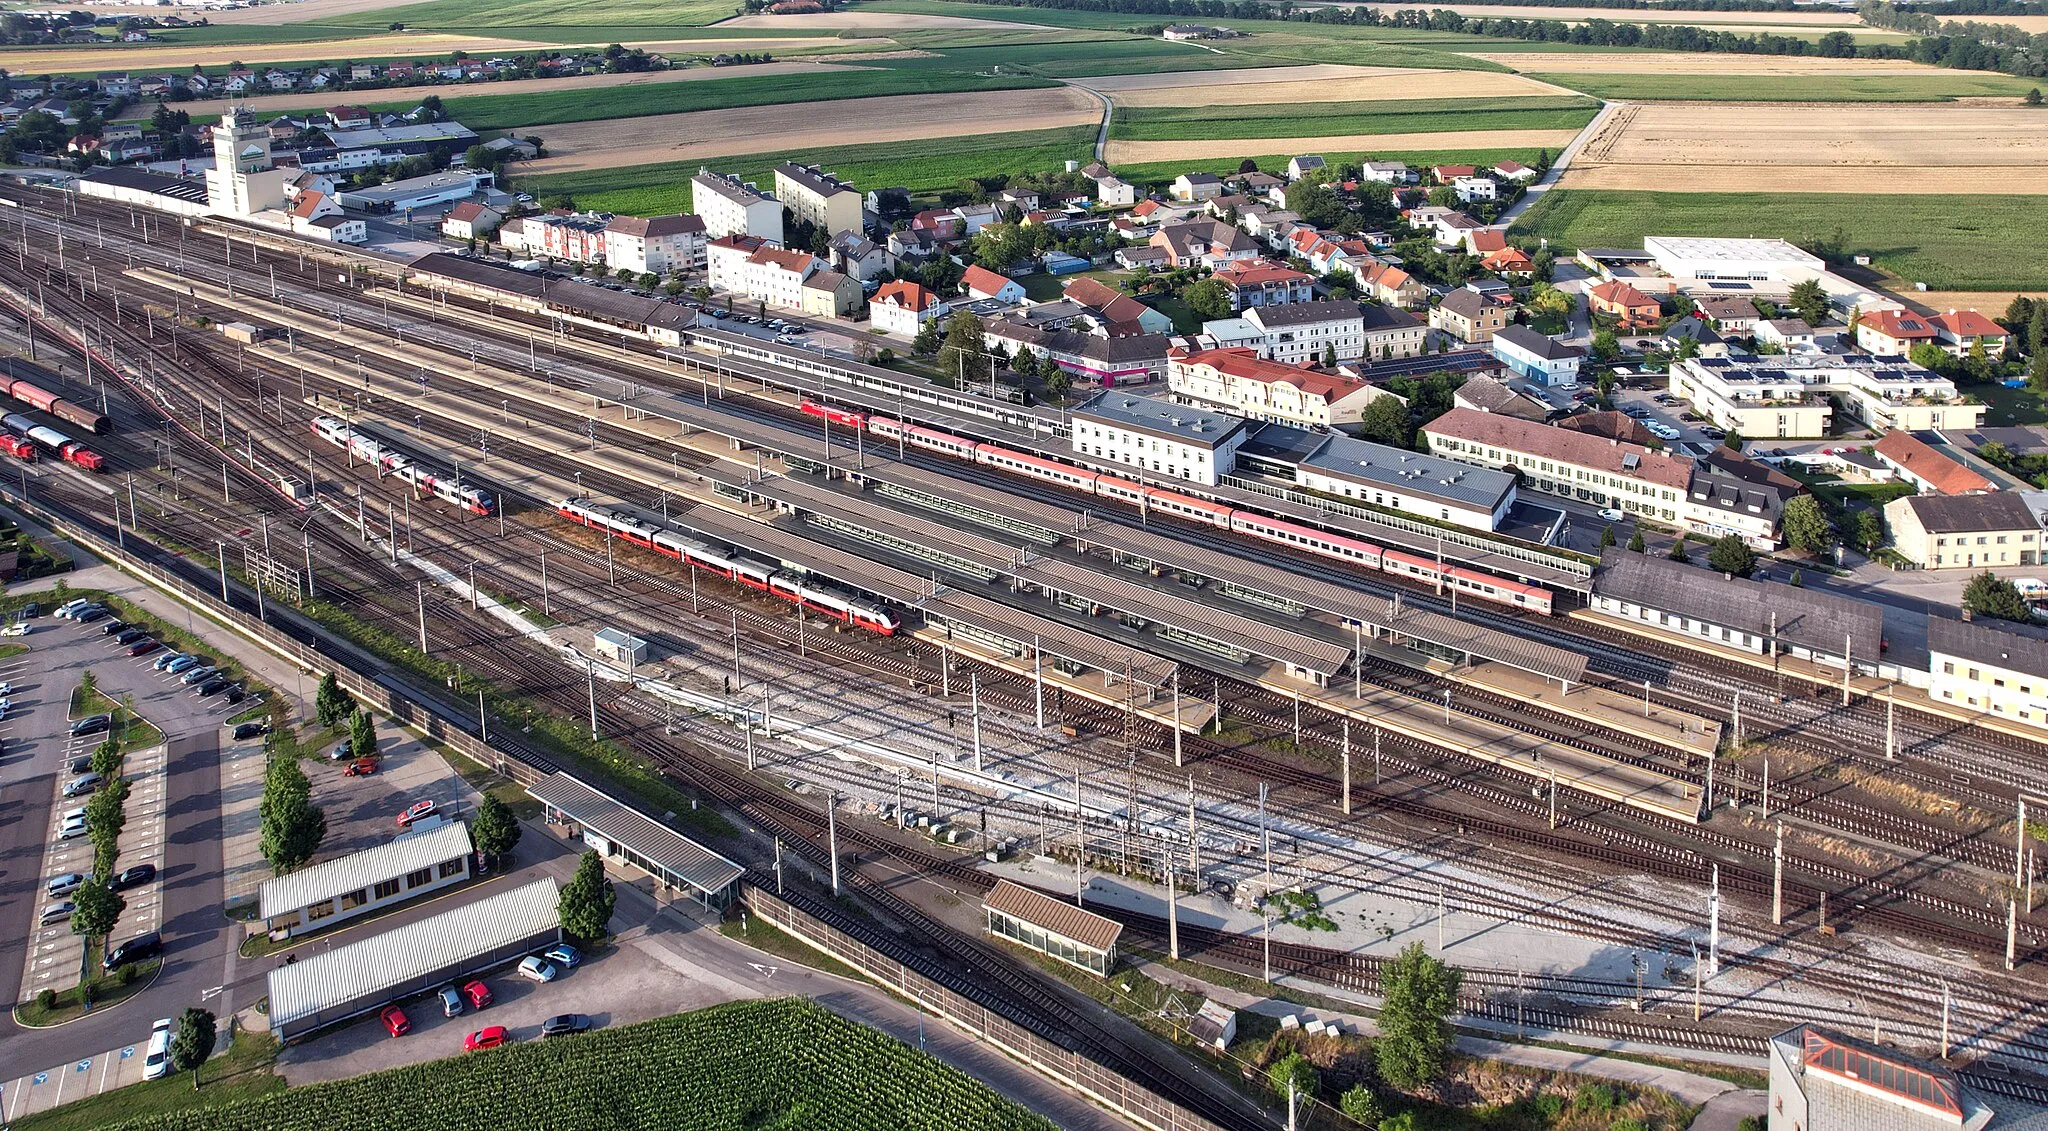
[523, 111]
[470, 15]
[921, 166]
[1319, 119]
[744, 1065]
[1948, 242]
[1160, 172]
[1940, 86]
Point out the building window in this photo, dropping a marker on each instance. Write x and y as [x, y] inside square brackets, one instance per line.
[354, 899]
[319, 911]
[387, 889]
[421, 878]
[451, 868]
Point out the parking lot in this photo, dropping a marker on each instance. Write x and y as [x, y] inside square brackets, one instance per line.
[77, 1079]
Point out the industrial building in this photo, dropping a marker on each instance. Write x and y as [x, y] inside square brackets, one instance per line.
[346, 887]
[1822, 1080]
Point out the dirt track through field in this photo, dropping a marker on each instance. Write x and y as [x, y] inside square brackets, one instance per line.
[1322, 82]
[808, 125]
[1700, 63]
[1137, 152]
[1763, 147]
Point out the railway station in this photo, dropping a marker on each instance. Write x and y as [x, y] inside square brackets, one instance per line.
[616, 831]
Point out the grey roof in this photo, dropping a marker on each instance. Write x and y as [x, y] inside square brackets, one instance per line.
[729, 187]
[371, 136]
[1965, 514]
[1155, 417]
[1468, 303]
[1479, 360]
[1412, 473]
[359, 870]
[130, 177]
[1054, 638]
[2022, 648]
[1529, 341]
[814, 179]
[334, 978]
[685, 859]
[1809, 618]
[1283, 443]
[1378, 317]
[1304, 313]
[1713, 487]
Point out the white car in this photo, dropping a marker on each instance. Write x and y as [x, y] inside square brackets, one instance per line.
[537, 968]
[18, 628]
[1612, 515]
[157, 1061]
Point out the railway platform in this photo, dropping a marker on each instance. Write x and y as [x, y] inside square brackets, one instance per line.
[1156, 705]
[1604, 707]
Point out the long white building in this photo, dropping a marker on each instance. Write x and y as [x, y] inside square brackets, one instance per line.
[1788, 396]
[732, 207]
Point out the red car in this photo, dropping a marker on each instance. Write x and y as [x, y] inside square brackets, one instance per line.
[360, 768]
[421, 809]
[142, 647]
[489, 1038]
[395, 1021]
[479, 995]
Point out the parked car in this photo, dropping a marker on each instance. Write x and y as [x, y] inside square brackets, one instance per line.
[70, 608]
[210, 688]
[18, 628]
[418, 810]
[235, 694]
[146, 945]
[564, 1025]
[395, 1022]
[58, 912]
[342, 752]
[183, 663]
[486, 1038]
[538, 969]
[114, 628]
[91, 724]
[72, 829]
[129, 636]
[90, 613]
[250, 730]
[32, 609]
[64, 884]
[134, 877]
[479, 995]
[360, 768]
[166, 660]
[80, 764]
[80, 786]
[1613, 515]
[198, 675]
[142, 647]
[451, 1002]
[157, 1061]
[563, 954]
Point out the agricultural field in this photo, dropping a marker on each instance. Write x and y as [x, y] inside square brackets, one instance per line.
[1955, 243]
[1160, 172]
[1313, 82]
[1794, 148]
[469, 14]
[751, 1064]
[1324, 118]
[1120, 153]
[923, 167]
[807, 125]
[1918, 86]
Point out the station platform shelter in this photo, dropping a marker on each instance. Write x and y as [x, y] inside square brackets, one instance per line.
[1073, 935]
[622, 833]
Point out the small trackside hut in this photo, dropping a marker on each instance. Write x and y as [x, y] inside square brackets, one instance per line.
[1058, 930]
[619, 832]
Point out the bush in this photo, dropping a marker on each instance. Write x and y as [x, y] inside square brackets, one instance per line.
[1594, 1099]
[46, 1000]
[88, 992]
[1360, 1104]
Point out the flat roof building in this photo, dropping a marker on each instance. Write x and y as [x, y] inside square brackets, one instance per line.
[334, 891]
[1691, 257]
[1167, 439]
[1053, 927]
[350, 980]
[417, 192]
[619, 832]
[1430, 486]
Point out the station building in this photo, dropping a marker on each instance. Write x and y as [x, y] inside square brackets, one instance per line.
[621, 833]
[1170, 440]
[2002, 670]
[346, 887]
[1054, 928]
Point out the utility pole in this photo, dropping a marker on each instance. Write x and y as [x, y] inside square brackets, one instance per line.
[594, 735]
[1848, 664]
[1177, 762]
[1172, 902]
[1714, 924]
[1945, 1002]
[1698, 981]
[1265, 840]
[1738, 723]
[307, 540]
[221, 546]
[1891, 746]
[1778, 878]
[832, 836]
[1038, 686]
[1347, 765]
[483, 720]
[1194, 839]
[1767, 790]
[974, 684]
[1080, 840]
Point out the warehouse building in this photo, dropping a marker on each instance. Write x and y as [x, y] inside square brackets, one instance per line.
[336, 891]
[352, 980]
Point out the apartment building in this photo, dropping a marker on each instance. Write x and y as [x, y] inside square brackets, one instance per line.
[2002, 669]
[1557, 461]
[1166, 439]
[1789, 396]
[817, 197]
[1295, 332]
[654, 244]
[1470, 316]
[902, 308]
[732, 207]
[1965, 531]
[1239, 381]
[1537, 358]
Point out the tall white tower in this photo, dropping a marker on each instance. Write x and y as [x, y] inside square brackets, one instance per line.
[243, 180]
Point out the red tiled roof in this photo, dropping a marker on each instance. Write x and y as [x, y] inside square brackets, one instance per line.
[1508, 259]
[1899, 324]
[1489, 241]
[1251, 272]
[1943, 475]
[908, 295]
[1618, 293]
[1092, 292]
[797, 261]
[1967, 324]
[1246, 365]
[466, 211]
[1546, 442]
[981, 280]
[306, 205]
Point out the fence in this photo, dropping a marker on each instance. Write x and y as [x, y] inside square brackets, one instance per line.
[1065, 1066]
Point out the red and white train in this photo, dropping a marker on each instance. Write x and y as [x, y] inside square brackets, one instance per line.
[731, 565]
[1144, 496]
[447, 488]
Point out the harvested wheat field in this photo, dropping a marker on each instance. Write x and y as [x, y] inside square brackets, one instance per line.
[1760, 147]
[70, 60]
[1991, 304]
[807, 125]
[299, 11]
[1782, 20]
[1701, 63]
[1141, 152]
[1323, 82]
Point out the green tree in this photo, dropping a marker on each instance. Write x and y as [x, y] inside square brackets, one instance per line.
[1385, 420]
[1362, 1105]
[1730, 554]
[362, 735]
[1635, 541]
[193, 1042]
[965, 351]
[1546, 299]
[1208, 298]
[1732, 441]
[1806, 525]
[1607, 537]
[1869, 530]
[1989, 595]
[1797, 580]
[1678, 550]
[106, 758]
[330, 703]
[96, 909]
[1421, 993]
[1606, 347]
[1057, 382]
[1809, 301]
[587, 900]
[2033, 97]
[1296, 1068]
[1330, 355]
[495, 829]
[292, 825]
[926, 343]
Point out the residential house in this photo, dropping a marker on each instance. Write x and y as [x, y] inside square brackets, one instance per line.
[470, 220]
[1695, 329]
[1484, 394]
[829, 294]
[1927, 468]
[1391, 285]
[1787, 334]
[980, 282]
[1143, 257]
[902, 308]
[1486, 241]
[654, 244]
[1965, 531]
[119, 85]
[1089, 358]
[1612, 426]
[349, 117]
[1299, 167]
[1509, 262]
[1961, 331]
[1196, 187]
[1446, 174]
[1617, 299]
[1537, 358]
[859, 256]
[1110, 190]
[362, 72]
[1390, 173]
[1453, 229]
[776, 276]
[1514, 171]
[1894, 333]
[1256, 282]
[1471, 189]
[912, 246]
[336, 229]
[1119, 314]
[725, 261]
[1730, 317]
[730, 206]
[1469, 316]
[1731, 493]
[574, 237]
[1204, 243]
[1557, 461]
[817, 197]
[1997, 667]
[1167, 439]
[1390, 333]
[1239, 381]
